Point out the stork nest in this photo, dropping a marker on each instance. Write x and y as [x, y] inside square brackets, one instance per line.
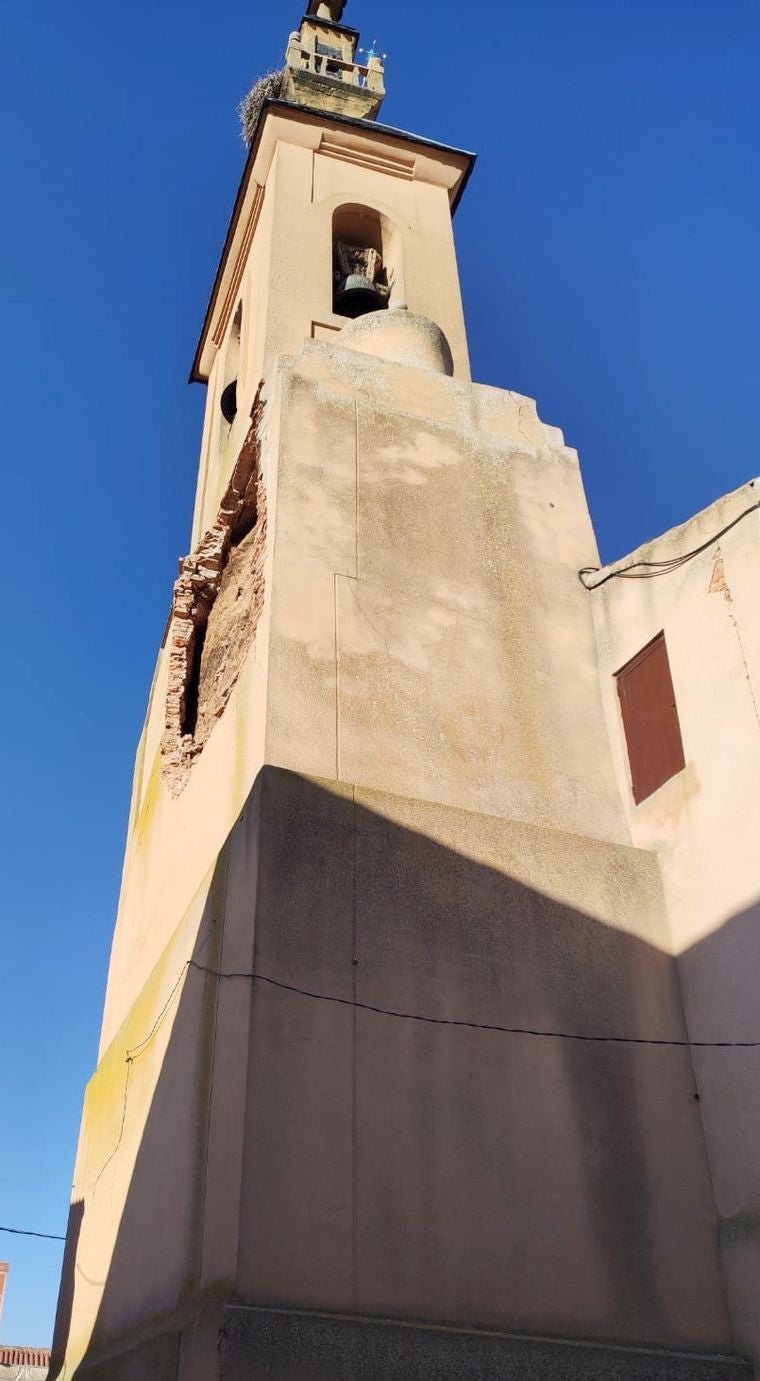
[267, 88]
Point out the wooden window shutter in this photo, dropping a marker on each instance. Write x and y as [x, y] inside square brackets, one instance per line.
[650, 719]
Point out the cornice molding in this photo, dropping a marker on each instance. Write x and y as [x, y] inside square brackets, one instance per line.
[376, 162]
[241, 258]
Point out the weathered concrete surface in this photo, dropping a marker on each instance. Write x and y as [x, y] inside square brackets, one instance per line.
[430, 636]
[286, 1346]
[425, 648]
[302, 1151]
[430, 1171]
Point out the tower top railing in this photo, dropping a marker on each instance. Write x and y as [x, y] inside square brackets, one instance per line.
[328, 62]
[325, 72]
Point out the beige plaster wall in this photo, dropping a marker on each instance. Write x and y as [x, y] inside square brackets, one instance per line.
[136, 1224]
[285, 222]
[155, 1221]
[704, 825]
[427, 651]
[429, 633]
[424, 631]
[173, 841]
[411, 1170]
[305, 188]
[284, 247]
[221, 444]
[241, 1139]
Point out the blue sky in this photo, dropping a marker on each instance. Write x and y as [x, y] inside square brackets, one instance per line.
[609, 253]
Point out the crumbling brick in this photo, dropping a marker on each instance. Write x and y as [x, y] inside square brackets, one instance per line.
[217, 604]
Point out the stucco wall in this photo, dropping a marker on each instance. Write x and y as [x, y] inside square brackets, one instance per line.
[429, 633]
[423, 630]
[301, 175]
[705, 825]
[244, 1140]
[425, 1171]
[426, 650]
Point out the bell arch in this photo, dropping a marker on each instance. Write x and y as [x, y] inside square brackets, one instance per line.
[367, 261]
[228, 398]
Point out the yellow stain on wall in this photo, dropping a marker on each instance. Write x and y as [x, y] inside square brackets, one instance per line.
[117, 1106]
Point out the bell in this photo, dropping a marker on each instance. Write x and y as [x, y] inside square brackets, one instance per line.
[357, 296]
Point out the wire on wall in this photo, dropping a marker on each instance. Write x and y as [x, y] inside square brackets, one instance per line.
[647, 570]
[252, 977]
[26, 1232]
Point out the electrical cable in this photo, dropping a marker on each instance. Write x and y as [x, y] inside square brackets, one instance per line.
[253, 977]
[647, 570]
[138, 1050]
[25, 1232]
[120, 1137]
[476, 1025]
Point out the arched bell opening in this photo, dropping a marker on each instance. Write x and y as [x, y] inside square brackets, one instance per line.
[228, 398]
[361, 282]
[228, 402]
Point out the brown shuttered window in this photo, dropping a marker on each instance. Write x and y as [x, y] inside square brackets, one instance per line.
[650, 719]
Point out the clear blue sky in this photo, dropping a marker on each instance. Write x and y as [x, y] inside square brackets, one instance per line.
[609, 253]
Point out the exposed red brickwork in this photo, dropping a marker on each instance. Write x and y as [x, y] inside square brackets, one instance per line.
[218, 601]
[24, 1357]
[719, 584]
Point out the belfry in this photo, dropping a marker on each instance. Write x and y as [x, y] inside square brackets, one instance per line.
[405, 1067]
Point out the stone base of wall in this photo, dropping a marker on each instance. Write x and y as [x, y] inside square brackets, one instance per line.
[286, 1346]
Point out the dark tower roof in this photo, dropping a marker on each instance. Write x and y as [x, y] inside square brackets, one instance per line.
[334, 9]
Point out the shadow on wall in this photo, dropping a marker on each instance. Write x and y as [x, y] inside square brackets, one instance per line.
[66, 1288]
[405, 1168]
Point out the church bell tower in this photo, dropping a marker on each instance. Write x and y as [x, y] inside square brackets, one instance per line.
[376, 840]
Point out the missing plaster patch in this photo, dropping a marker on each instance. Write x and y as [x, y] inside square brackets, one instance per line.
[718, 583]
[218, 600]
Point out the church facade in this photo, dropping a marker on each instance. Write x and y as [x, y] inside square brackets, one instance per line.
[428, 1046]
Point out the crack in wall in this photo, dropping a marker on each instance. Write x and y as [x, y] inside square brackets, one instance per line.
[719, 585]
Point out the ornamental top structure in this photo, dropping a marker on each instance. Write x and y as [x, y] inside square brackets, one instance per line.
[326, 9]
[322, 70]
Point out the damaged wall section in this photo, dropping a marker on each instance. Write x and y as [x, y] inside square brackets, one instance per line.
[217, 604]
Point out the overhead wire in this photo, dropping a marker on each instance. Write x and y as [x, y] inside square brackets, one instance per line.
[475, 1025]
[26, 1232]
[253, 977]
[647, 570]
